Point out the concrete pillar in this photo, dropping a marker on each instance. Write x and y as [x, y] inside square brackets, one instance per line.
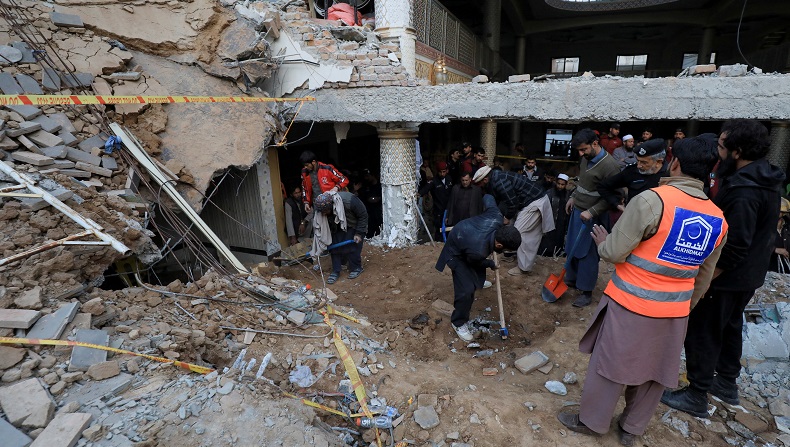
[692, 128]
[394, 23]
[521, 63]
[779, 154]
[706, 45]
[399, 182]
[491, 32]
[488, 139]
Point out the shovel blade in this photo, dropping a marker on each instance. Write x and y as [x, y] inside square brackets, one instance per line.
[553, 288]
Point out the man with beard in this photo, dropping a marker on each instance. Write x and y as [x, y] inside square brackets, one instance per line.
[610, 141]
[466, 251]
[454, 165]
[586, 208]
[625, 154]
[524, 203]
[637, 177]
[466, 200]
[296, 217]
[531, 171]
[471, 165]
[749, 196]
[440, 188]
[554, 241]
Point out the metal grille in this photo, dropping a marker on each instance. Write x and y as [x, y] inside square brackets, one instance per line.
[488, 139]
[604, 5]
[466, 46]
[779, 155]
[451, 39]
[421, 19]
[436, 21]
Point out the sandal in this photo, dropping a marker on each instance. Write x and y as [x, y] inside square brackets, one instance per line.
[332, 278]
[354, 274]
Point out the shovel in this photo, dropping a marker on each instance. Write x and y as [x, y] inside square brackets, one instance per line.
[502, 326]
[285, 262]
[554, 286]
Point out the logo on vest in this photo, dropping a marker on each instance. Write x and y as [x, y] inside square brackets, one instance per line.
[691, 239]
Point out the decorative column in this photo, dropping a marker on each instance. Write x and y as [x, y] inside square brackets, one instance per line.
[779, 154]
[398, 146]
[491, 32]
[488, 139]
[394, 23]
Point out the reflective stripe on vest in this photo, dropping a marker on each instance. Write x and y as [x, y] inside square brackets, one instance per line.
[657, 278]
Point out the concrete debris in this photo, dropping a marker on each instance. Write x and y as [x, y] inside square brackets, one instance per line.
[83, 358]
[19, 318]
[66, 20]
[11, 436]
[426, 417]
[10, 356]
[518, 78]
[555, 387]
[64, 431]
[104, 370]
[50, 327]
[480, 79]
[531, 362]
[27, 404]
[733, 70]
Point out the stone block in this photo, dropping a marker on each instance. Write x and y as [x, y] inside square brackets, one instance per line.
[10, 356]
[83, 358]
[29, 145]
[97, 390]
[7, 144]
[47, 123]
[480, 79]
[31, 158]
[18, 318]
[98, 170]
[50, 79]
[25, 127]
[66, 20]
[55, 151]
[77, 80]
[102, 87]
[104, 370]
[426, 417]
[51, 326]
[27, 403]
[68, 139]
[63, 164]
[94, 141]
[518, 78]
[109, 163]
[531, 362]
[702, 69]
[26, 112]
[11, 436]
[76, 173]
[733, 70]
[9, 85]
[45, 139]
[77, 155]
[29, 299]
[63, 120]
[28, 84]
[126, 76]
[64, 431]
[296, 317]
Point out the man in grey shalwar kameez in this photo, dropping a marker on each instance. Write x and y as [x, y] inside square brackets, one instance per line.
[637, 333]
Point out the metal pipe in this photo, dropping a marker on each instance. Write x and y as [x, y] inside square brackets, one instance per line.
[88, 224]
[43, 247]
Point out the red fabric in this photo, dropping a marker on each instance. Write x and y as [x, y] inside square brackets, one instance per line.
[345, 13]
[609, 143]
[328, 178]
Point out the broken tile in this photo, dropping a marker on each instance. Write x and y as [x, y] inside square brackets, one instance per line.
[77, 79]
[531, 362]
[27, 54]
[45, 139]
[55, 151]
[64, 121]
[29, 145]
[76, 173]
[82, 358]
[7, 144]
[63, 164]
[10, 55]
[25, 127]
[9, 85]
[47, 123]
[27, 403]
[102, 87]
[66, 20]
[77, 155]
[96, 390]
[64, 431]
[18, 318]
[68, 139]
[26, 112]
[94, 141]
[104, 172]
[11, 436]
[126, 76]
[109, 163]
[10, 356]
[51, 326]
[28, 84]
[50, 78]
[31, 158]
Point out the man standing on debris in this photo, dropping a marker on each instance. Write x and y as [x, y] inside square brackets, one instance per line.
[356, 219]
[296, 217]
[664, 247]
[586, 208]
[750, 197]
[318, 178]
[637, 177]
[525, 206]
[466, 251]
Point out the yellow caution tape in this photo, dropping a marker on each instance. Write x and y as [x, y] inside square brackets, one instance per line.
[38, 341]
[310, 403]
[51, 100]
[332, 311]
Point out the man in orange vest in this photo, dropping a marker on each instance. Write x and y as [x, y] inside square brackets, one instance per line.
[664, 247]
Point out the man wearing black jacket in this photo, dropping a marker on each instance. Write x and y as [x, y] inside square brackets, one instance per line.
[749, 197]
[638, 177]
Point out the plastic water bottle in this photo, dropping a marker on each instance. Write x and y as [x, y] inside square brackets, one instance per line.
[378, 422]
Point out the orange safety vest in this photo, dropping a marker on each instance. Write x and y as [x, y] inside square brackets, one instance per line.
[657, 278]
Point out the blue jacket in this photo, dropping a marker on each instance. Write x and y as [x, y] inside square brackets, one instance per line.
[472, 241]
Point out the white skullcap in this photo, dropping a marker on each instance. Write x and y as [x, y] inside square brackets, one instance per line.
[481, 174]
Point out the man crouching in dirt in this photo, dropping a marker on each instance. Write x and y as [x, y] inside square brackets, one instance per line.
[466, 251]
[665, 248]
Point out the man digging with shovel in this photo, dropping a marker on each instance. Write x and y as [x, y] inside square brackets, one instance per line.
[466, 251]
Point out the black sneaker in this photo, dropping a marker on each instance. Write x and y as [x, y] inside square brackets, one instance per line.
[688, 401]
[582, 300]
[725, 390]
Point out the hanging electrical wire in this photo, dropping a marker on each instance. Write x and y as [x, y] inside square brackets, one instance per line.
[738, 33]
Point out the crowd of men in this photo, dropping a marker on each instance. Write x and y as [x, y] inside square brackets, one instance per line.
[691, 226]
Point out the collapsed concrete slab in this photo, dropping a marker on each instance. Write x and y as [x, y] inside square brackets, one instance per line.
[27, 403]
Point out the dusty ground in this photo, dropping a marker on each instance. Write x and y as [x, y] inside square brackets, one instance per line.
[399, 285]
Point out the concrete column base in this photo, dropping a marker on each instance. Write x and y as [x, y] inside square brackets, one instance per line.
[488, 140]
[399, 183]
[779, 154]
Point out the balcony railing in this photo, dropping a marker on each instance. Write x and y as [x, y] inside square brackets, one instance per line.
[441, 30]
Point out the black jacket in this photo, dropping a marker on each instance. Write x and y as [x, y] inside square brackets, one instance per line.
[629, 178]
[472, 241]
[513, 191]
[440, 191]
[750, 202]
